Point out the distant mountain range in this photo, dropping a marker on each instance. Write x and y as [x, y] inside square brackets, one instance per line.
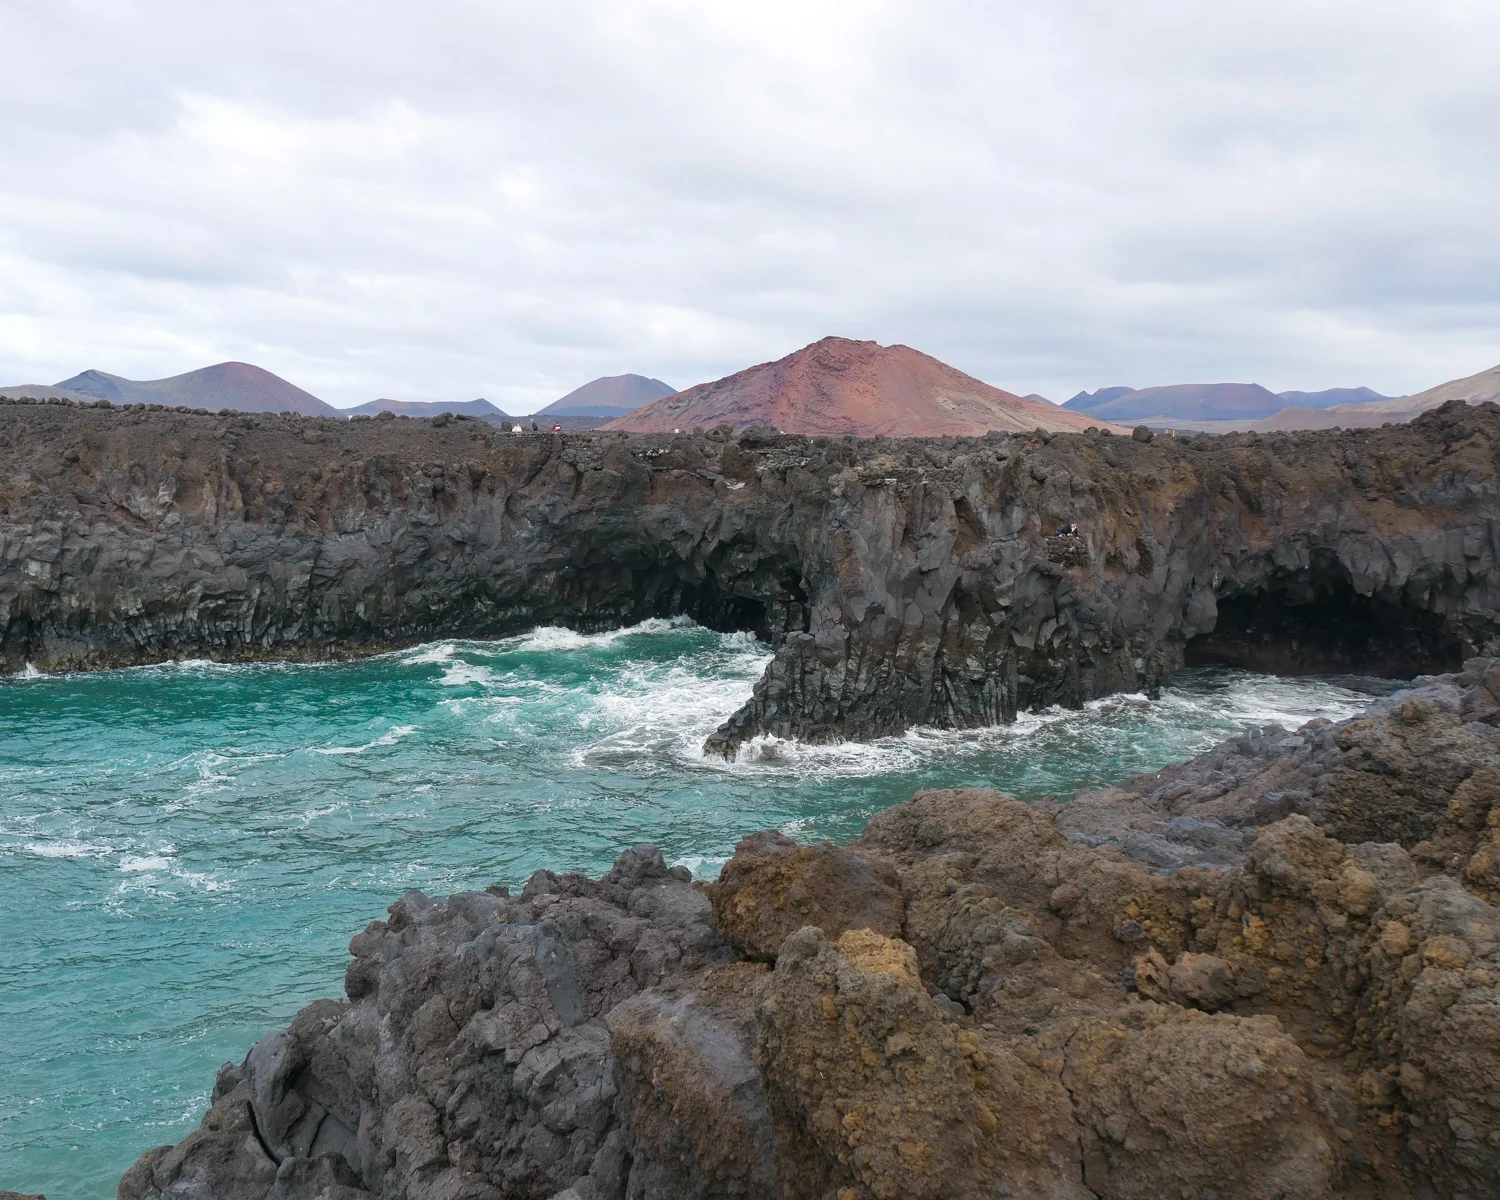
[1226, 407]
[1471, 389]
[837, 386]
[834, 386]
[1208, 401]
[235, 385]
[429, 408]
[246, 388]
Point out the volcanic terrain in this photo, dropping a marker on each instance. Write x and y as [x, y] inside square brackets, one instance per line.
[1268, 972]
[243, 387]
[836, 387]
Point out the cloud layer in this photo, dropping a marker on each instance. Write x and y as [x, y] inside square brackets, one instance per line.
[467, 198]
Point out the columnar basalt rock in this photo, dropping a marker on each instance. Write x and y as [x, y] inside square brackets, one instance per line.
[976, 998]
[900, 582]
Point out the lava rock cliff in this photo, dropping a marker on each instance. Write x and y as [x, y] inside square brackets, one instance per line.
[900, 582]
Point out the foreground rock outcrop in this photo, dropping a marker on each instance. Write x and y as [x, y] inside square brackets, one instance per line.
[900, 582]
[1273, 971]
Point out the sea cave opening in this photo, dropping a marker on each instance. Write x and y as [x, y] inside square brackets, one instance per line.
[1319, 625]
[624, 589]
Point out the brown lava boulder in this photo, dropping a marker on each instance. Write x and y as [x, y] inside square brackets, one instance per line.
[772, 887]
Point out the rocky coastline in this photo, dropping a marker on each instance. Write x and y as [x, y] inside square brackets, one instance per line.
[901, 582]
[1272, 971]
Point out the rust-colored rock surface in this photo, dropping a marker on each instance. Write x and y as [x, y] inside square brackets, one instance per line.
[836, 387]
[772, 887]
[879, 1090]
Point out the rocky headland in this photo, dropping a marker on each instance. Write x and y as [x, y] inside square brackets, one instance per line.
[901, 582]
[1270, 972]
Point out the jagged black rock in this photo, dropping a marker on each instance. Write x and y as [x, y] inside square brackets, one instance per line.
[900, 582]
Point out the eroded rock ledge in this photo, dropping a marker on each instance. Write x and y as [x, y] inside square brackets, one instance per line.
[900, 582]
[1273, 971]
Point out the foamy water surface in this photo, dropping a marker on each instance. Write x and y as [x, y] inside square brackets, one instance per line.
[185, 850]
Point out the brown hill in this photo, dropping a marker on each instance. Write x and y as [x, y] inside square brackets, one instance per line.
[236, 385]
[837, 386]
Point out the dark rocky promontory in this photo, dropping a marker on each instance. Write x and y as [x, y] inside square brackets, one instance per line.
[900, 582]
[1272, 972]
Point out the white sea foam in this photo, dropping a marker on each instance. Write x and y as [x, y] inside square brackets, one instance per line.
[385, 739]
[200, 881]
[145, 862]
[703, 866]
[648, 710]
[462, 674]
[556, 637]
[65, 848]
[29, 671]
[1201, 717]
[542, 639]
[434, 653]
[318, 811]
[655, 709]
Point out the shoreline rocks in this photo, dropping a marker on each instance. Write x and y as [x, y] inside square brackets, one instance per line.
[899, 582]
[975, 998]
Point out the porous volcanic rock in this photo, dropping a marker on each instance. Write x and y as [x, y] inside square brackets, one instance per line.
[1314, 1015]
[899, 582]
[773, 887]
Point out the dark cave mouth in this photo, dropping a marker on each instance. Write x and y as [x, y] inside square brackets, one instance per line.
[623, 592]
[1330, 630]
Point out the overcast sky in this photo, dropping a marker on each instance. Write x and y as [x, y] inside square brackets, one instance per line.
[456, 198]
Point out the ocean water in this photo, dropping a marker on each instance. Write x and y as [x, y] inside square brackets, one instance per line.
[185, 850]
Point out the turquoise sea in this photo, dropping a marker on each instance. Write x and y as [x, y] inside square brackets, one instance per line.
[185, 850]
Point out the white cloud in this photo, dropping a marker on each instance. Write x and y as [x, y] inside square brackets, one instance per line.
[471, 198]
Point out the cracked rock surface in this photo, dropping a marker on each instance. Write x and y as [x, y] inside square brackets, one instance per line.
[976, 998]
[900, 582]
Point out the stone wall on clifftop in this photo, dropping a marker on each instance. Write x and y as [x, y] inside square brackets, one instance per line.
[900, 582]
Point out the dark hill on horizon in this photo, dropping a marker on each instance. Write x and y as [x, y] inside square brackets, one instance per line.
[837, 386]
[1088, 401]
[1208, 401]
[1329, 397]
[480, 408]
[609, 396]
[236, 385]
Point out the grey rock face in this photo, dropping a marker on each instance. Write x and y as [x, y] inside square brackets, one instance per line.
[1388, 776]
[900, 582]
[471, 1058]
